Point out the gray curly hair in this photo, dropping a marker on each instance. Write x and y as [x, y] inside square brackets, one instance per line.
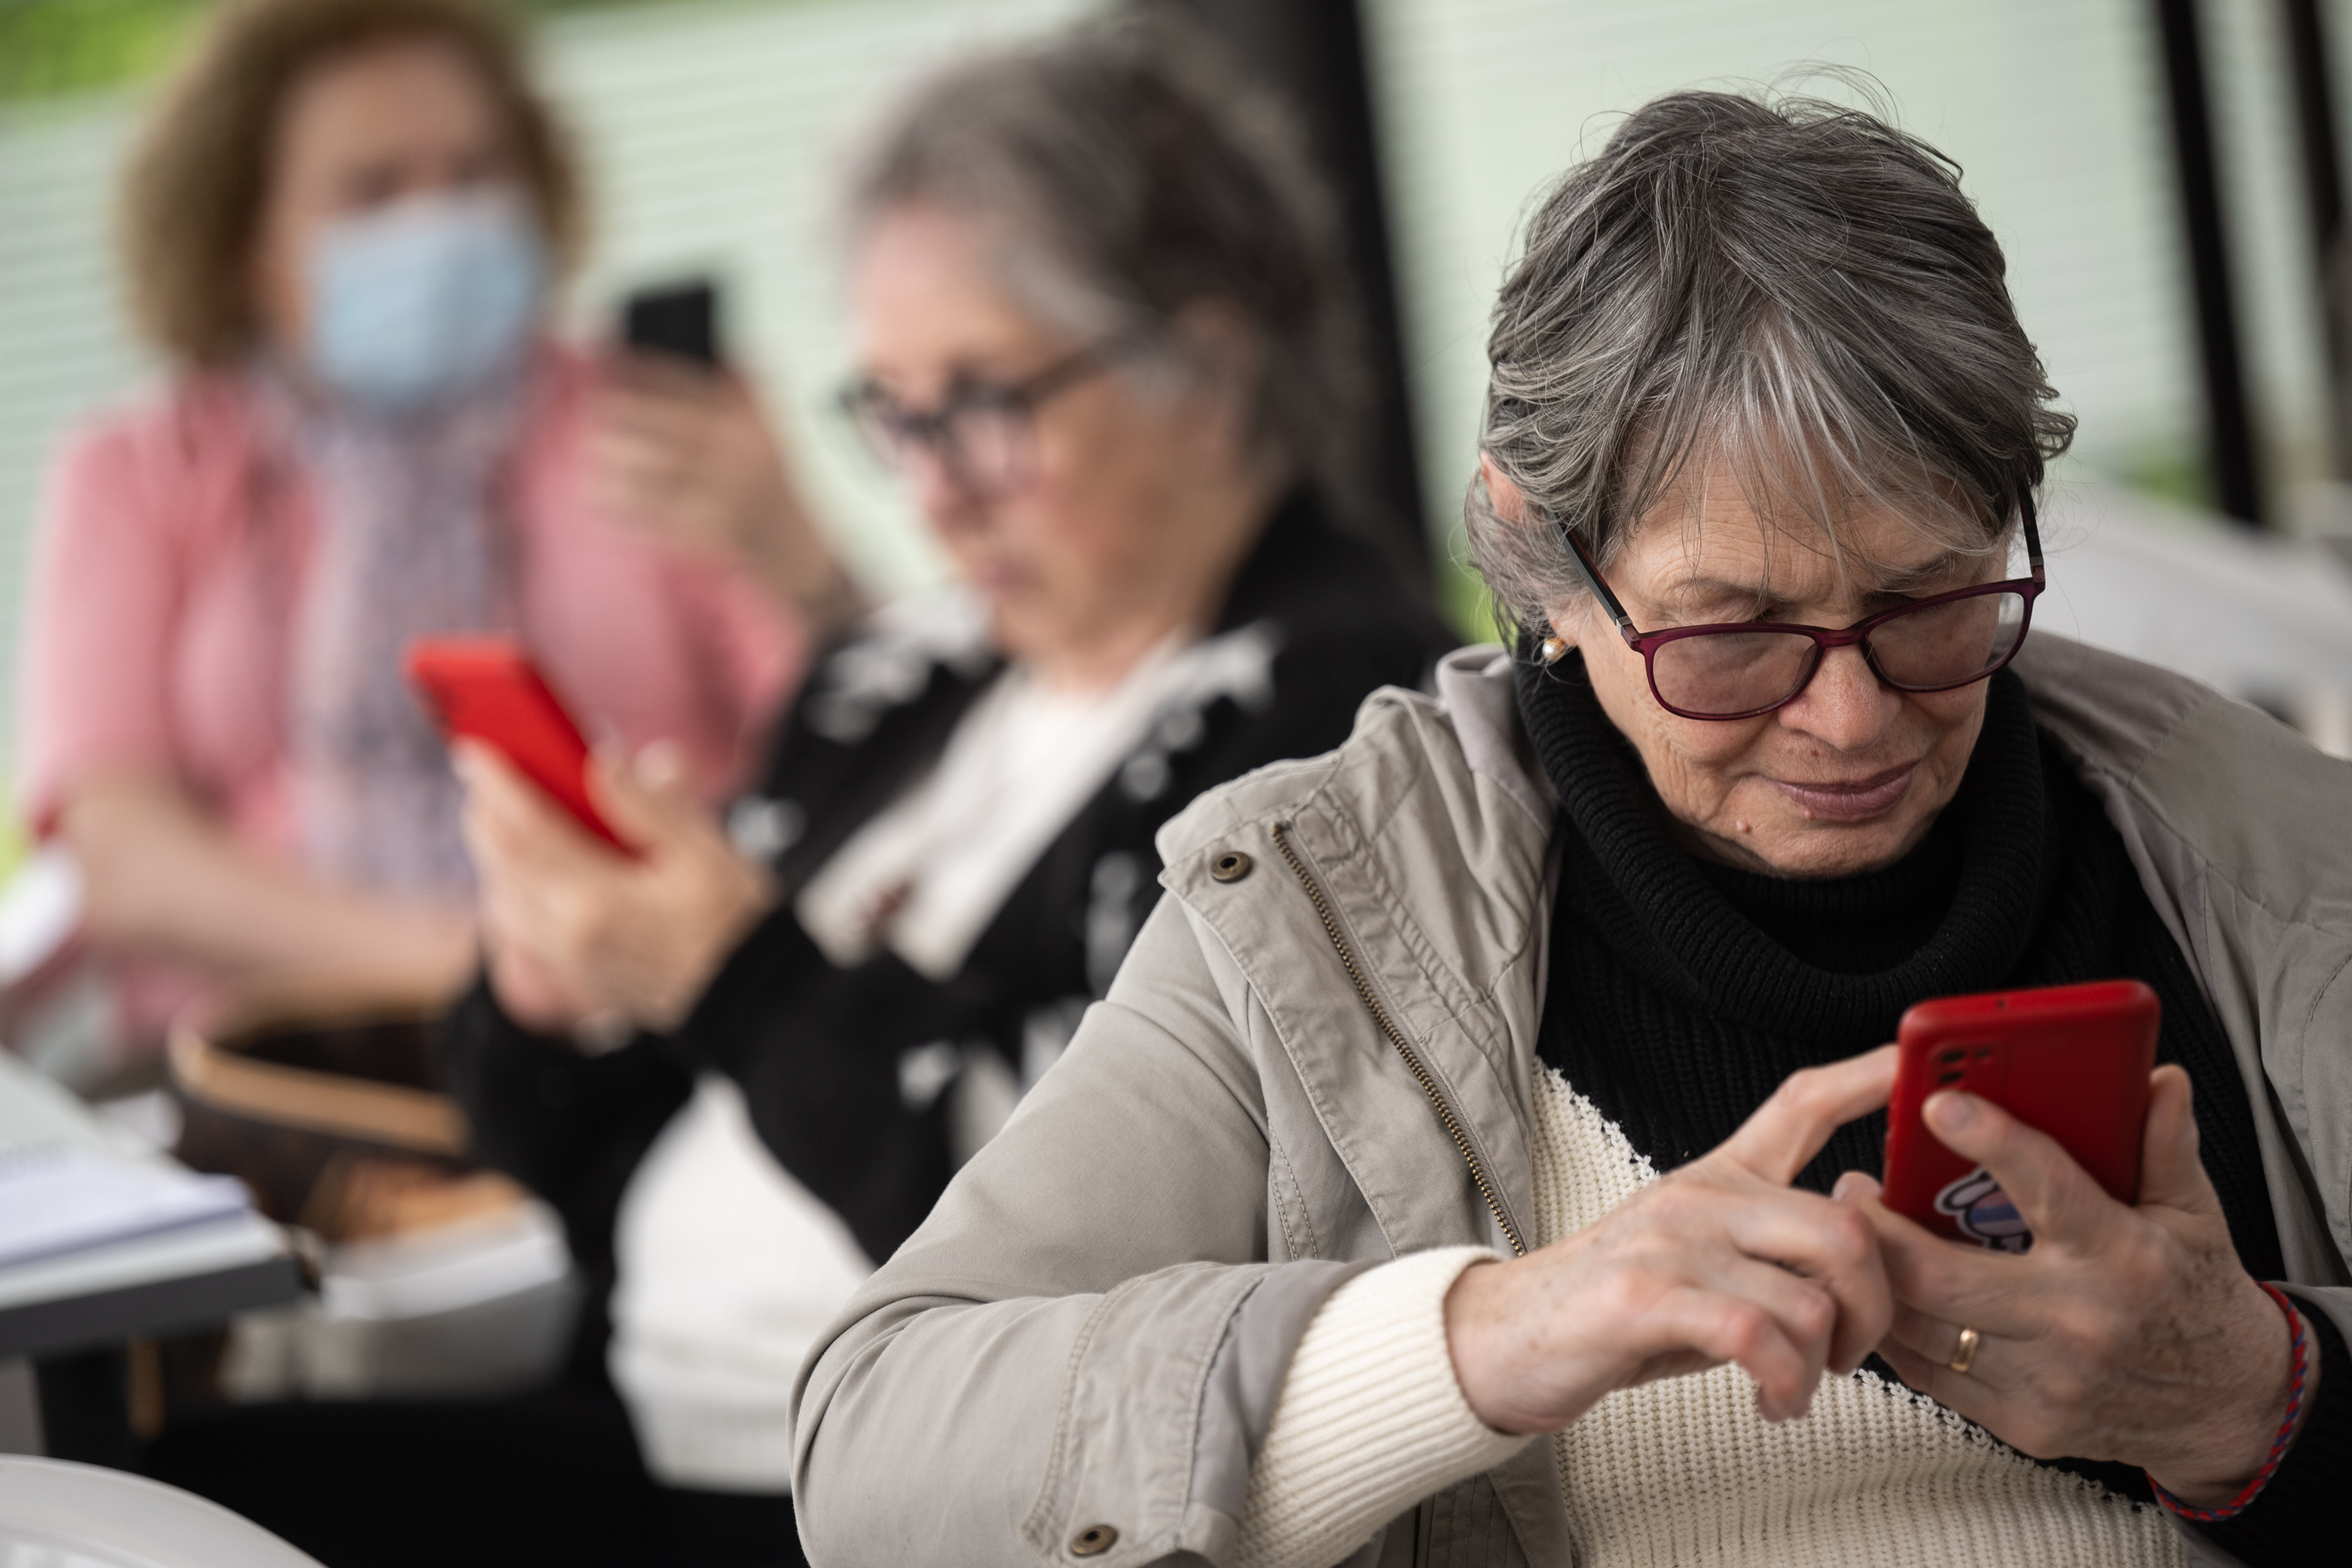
[1792, 286]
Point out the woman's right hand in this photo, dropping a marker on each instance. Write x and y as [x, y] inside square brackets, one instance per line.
[578, 934]
[1718, 1261]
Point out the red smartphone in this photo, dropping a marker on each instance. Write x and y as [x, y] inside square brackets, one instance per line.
[2070, 1061]
[486, 688]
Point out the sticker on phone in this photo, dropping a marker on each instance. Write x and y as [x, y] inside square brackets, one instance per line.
[1984, 1213]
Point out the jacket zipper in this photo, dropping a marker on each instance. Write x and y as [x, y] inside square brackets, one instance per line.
[1396, 1037]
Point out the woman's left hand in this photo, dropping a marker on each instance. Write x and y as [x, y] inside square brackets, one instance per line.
[638, 939]
[2124, 1334]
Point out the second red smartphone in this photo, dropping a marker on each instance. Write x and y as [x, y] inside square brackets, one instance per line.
[487, 689]
[2070, 1061]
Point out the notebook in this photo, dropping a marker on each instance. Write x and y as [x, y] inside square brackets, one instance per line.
[54, 1199]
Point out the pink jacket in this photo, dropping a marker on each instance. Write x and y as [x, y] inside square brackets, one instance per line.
[172, 551]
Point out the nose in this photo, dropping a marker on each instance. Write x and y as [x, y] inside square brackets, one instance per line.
[945, 499]
[1845, 705]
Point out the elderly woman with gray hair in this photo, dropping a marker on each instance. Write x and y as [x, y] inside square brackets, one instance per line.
[1466, 1166]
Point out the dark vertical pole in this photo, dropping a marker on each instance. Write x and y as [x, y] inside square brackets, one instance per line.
[2230, 428]
[1311, 53]
[2322, 181]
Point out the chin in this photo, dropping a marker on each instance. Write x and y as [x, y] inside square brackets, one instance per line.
[1012, 630]
[1820, 850]
[1814, 849]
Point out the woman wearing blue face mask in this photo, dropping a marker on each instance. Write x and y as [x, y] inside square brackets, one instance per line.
[344, 228]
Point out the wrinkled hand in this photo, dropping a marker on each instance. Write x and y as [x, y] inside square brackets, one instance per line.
[2124, 1333]
[1718, 1261]
[689, 453]
[578, 932]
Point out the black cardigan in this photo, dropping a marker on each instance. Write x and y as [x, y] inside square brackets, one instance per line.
[1315, 621]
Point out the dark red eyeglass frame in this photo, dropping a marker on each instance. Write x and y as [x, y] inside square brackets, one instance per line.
[1647, 643]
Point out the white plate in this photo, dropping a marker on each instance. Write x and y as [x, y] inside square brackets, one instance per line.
[58, 1515]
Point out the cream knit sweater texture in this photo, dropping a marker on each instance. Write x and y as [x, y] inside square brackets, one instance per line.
[1371, 1421]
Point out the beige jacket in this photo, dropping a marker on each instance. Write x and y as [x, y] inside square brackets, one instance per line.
[1317, 1057]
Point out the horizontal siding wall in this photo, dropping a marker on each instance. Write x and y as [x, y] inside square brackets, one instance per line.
[2056, 113]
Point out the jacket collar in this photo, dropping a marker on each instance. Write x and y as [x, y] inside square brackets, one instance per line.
[1386, 828]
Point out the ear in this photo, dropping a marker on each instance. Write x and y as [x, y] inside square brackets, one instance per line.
[1225, 357]
[1219, 338]
[1567, 618]
[1509, 504]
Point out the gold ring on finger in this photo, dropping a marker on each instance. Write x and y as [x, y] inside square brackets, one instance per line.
[1964, 1354]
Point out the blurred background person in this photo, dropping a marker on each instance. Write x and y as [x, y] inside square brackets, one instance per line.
[344, 228]
[1105, 332]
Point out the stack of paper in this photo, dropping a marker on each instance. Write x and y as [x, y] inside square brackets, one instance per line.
[57, 1199]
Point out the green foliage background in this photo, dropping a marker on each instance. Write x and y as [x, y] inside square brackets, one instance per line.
[49, 47]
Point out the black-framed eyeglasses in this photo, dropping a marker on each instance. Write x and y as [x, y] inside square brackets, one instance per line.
[983, 433]
[1745, 669]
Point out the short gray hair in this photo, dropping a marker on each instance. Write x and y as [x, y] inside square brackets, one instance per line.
[1793, 285]
[1138, 180]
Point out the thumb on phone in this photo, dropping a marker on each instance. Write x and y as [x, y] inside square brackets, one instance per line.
[647, 798]
[2059, 1200]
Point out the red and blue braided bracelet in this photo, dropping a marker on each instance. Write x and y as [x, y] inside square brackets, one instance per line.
[2253, 1489]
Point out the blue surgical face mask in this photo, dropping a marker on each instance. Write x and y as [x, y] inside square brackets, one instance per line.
[424, 300]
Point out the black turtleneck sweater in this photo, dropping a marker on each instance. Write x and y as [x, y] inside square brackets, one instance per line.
[1682, 992]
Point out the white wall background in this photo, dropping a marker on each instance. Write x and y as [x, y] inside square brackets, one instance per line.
[2056, 112]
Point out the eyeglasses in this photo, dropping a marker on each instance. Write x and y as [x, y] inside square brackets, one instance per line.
[983, 433]
[1750, 668]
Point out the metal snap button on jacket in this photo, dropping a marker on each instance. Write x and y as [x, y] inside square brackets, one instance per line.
[1230, 867]
[1097, 1539]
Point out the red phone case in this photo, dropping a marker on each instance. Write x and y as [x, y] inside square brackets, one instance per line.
[2068, 1060]
[487, 689]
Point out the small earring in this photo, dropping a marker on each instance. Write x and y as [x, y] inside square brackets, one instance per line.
[1552, 649]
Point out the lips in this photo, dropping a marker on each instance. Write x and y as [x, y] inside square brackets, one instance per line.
[1852, 800]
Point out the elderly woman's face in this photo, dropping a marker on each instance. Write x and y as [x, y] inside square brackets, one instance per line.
[1850, 775]
[1135, 502]
[360, 131]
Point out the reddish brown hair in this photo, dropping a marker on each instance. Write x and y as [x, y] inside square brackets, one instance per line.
[200, 177]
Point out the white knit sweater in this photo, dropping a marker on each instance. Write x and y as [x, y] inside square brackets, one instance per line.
[1684, 1471]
